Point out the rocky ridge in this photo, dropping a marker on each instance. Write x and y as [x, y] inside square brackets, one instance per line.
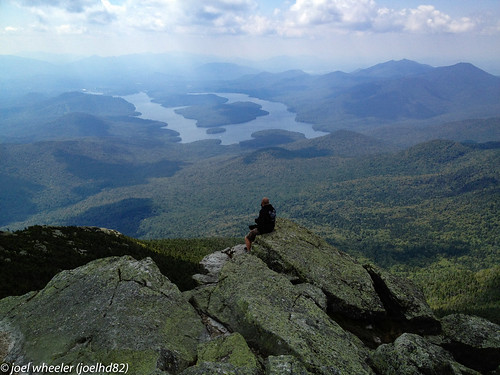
[294, 305]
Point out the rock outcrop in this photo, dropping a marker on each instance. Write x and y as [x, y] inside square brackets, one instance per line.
[473, 340]
[412, 354]
[112, 310]
[306, 258]
[355, 293]
[278, 319]
[294, 305]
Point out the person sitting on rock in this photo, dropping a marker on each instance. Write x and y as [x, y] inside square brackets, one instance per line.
[263, 224]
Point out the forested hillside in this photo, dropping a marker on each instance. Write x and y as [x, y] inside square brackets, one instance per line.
[31, 257]
[430, 211]
[411, 190]
[393, 93]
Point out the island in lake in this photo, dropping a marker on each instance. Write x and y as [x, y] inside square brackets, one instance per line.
[210, 116]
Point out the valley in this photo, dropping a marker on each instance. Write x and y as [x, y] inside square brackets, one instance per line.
[398, 164]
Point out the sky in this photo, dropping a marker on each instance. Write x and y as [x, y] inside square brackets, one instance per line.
[345, 33]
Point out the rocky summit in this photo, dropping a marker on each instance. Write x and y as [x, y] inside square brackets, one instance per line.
[294, 305]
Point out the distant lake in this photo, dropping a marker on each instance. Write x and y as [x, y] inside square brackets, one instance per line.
[279, 118]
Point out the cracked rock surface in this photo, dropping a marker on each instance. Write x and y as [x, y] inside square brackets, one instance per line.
[307, 258]
[273, 315]
[293, 306]
[111, 310]
[412, 354]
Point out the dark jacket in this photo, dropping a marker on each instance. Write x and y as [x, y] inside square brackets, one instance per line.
[267, 219]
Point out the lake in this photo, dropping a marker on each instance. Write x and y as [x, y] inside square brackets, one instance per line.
[279, 118]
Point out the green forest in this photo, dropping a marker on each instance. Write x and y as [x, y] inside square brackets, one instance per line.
[429, 212]
[412, 186]
[222, 114]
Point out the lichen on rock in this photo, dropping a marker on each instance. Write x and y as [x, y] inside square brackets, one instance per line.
[225, 353]
[411, 354]
[473, 340]
[111, 310]
[274, 316]
[284, 365]
[297, 252]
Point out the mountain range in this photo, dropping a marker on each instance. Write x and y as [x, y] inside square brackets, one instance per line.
[408, 176]
[394, 94]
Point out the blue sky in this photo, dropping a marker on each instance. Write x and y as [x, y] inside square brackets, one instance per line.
[346, 33]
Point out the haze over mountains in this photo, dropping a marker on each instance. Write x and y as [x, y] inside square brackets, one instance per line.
[98, 142]
[407, 174]
[388, 93]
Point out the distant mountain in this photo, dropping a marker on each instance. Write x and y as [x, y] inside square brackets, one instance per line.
[393, 92]
[345, 143]
[222, 71]
[267, 84]
[75, 124]
[13, 67]
[388, 93]
[80, 102]
[405, 95]
[72, 114]
[393, 69]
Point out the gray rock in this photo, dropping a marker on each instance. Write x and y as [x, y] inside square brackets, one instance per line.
[300, 254]
[111, 310]
[284, 365]
[276, 318]
[411, 354]
[314, 293]
[225, 355]
[213, 263]
[404, 302]
[366, 300]
[474, 341]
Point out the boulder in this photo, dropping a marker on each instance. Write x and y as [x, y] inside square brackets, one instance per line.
[225, 353]
[472, 340]
[284, 365]
[112, 310]
[404, 302]
[306, 258]
[366, 300]
[411, 354]
[213, 263]
[277, 319]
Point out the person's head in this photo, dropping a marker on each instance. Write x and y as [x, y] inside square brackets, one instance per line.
[265, 201]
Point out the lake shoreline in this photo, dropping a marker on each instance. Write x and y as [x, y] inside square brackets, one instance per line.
[279, 118]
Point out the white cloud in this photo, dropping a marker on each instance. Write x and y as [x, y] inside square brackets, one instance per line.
[426, 18]
[11, 29]
[188, 16]
[301, 18]
[70, 29]
[305, 16]
[72, 6]
[318, 12]
[259, 25]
